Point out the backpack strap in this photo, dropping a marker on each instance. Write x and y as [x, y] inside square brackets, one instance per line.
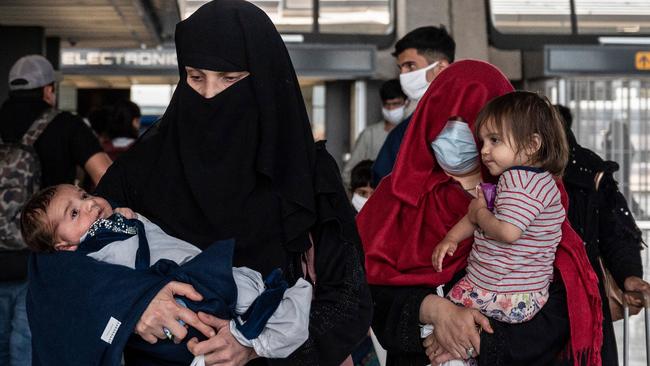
[38, 126]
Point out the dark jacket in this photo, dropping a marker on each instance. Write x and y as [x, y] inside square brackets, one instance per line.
[388, 153]
[604, 221]
[539, 342]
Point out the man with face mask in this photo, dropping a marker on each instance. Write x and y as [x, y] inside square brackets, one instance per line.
[421, 55]
[371, 139]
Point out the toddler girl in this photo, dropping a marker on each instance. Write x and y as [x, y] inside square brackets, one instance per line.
[510, 265]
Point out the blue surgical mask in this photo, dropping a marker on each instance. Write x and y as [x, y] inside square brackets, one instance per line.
[455, 149]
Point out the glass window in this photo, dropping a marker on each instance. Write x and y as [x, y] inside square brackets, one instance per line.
[289, 16]
[355, 16]
[628, 17]
[318, 105]
[531, 16]
[358, 17]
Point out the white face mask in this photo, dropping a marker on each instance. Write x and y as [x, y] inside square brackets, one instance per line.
[393, 116]
[414, 83]
[358, 201]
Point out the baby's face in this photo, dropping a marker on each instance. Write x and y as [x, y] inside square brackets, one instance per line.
[72, 211]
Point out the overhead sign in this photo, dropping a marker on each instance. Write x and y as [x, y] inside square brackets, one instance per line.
[612, 60]
[119, 61]
[329, 61]
[642, 61]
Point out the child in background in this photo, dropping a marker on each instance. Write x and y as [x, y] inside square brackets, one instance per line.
[360, 187]
[510, 265]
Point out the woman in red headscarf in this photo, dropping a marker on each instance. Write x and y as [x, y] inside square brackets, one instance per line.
[412, 210]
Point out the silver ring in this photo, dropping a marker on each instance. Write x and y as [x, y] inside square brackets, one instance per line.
[170, 335]
[470, 352]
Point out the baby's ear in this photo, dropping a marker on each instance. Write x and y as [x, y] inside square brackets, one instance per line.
[534, 144]
[65, 246]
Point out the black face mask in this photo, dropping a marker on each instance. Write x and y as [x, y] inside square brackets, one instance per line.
[217, 142]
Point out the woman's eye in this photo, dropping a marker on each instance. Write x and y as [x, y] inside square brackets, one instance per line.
[231, 79]
[196, 79]
[494, 140]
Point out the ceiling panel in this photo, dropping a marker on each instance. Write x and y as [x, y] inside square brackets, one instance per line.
[96, 23]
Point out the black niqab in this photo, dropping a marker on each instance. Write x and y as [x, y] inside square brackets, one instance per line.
[239, 164]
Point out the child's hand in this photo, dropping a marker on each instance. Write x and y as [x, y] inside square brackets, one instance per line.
[445, 247]
[126, 212]
[476, 204]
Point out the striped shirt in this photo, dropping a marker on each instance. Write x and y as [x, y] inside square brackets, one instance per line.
[529, 199]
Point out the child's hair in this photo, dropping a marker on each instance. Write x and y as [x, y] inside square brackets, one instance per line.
[37, 231]
[519, 115]
[361, 175]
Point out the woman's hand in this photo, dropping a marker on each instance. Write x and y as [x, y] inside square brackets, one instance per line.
[454, 327]
[164, 312]
[221, 349]
[635, 284]
[435, 353]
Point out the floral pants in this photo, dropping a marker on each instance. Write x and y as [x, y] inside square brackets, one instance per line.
[507, 307]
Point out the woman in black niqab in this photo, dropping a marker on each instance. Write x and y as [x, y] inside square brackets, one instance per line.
[243, 164]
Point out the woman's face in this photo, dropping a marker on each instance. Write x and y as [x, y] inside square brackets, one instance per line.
[209, 83]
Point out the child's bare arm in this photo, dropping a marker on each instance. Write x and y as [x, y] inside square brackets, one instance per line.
[502, 231]
[461, 231]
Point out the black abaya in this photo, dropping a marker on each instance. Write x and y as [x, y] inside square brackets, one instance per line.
[243, 164]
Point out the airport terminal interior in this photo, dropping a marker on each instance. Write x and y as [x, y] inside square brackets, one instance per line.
[592, 56]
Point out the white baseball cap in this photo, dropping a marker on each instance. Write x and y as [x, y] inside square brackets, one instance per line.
[31, 72]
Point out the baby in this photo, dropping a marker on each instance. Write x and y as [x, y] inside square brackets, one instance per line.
[66, 218]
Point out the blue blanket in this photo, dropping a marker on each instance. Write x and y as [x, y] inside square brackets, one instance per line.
[83, 312]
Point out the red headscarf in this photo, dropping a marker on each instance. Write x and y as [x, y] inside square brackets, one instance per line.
[414, 207]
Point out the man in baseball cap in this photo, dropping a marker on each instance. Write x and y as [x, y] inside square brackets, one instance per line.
[65, 143]
[32, 72]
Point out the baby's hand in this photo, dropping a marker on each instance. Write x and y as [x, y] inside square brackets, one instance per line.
[126, 212]
[476, 204]
[445, 247]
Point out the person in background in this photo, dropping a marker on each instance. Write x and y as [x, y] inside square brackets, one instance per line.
[98, 120]
[122, 128]
[619, 148]
[421, 55]
[371, 139]
[65, 143]
[369, 352]
[360, 184]
[600, 214]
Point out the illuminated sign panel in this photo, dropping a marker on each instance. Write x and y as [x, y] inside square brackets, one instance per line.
[642, 60]
[336, 61]
[618, 60]
[124, 61]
